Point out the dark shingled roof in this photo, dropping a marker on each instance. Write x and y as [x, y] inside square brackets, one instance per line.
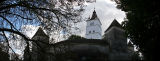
[94, 15]
[114, 23]
[40, 32]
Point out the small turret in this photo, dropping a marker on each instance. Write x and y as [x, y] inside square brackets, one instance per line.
[40, 45]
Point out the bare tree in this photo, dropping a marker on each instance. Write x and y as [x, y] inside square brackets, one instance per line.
[52, 15]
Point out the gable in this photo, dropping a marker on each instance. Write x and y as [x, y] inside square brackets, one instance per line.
[114, 23]
[40, 32]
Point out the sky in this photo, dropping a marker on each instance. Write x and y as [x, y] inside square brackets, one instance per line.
[106, 11]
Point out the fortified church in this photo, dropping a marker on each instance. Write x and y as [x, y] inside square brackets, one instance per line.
[109, 47]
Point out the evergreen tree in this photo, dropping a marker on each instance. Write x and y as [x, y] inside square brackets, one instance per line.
[75, 37]
[142, 25]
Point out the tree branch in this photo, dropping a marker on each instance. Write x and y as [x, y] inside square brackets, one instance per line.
[16, 15]
[8, 22]
[9, 6]
[16, 32]
[19, 33]
[8, 44]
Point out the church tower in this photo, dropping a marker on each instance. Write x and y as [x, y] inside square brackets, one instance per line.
[93, 28]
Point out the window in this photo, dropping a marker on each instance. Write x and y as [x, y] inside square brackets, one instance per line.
[93, 31]
[92, 23]
[89, 31]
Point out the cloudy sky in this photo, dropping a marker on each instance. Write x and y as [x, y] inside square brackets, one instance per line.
[106, 11]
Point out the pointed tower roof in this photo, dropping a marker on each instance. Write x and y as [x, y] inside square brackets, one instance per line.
[94, 15]
[114, 23]
[40, 32]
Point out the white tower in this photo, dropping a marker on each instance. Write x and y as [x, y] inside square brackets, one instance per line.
[93, 28]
